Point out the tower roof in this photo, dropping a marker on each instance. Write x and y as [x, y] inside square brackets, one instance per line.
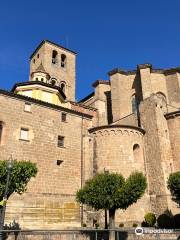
[40, 68]
[30, 83]
[52, 43]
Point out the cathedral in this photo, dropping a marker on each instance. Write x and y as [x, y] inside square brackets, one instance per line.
[131, 121]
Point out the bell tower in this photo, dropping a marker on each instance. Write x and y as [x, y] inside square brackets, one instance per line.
[59, 63]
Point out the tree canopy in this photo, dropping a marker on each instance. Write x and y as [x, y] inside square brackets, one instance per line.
[21, 174]
[111, 191]
[174, 186]
[106, 191]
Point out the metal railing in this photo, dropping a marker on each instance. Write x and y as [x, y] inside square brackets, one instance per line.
[89, 234]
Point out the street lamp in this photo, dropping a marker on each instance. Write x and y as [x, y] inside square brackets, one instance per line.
[9, 169]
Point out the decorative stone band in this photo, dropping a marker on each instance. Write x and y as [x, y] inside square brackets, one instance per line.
[172, 114]
[116, 130]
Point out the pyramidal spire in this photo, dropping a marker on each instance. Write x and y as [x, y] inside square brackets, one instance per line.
[40, 68]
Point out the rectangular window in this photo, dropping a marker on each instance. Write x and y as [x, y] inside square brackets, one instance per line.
[60, 141]
[63, 117]
[24, 134]
[27, 107]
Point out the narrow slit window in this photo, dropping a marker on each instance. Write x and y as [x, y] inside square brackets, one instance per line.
[63, 117]
[54, 57]
[134, 104]
[60, 141]
[63, 60]
[63, 86]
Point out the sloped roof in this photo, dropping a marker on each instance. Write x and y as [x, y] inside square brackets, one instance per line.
[52, 43]
[38, 83]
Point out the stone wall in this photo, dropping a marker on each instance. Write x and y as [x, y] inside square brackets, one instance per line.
[50, 197]
[67, 74]
[158, 152]
[173, 120]
[114, 150]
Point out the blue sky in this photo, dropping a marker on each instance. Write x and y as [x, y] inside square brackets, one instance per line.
[106, 34]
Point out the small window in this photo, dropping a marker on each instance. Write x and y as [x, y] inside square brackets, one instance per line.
[60, 141]
[36, 79]
[63, 117]
[27, 107]
[38, 55]
[137, 153]
[59, 162]
[63, 60]
[62, 86]
[54, 57]
[24, 134]
[42, 79]
[34, 60]
[53, 82]
[134, 104]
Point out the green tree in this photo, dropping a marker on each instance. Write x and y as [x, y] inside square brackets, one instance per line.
[21, 174]
[111, 192]
[174, 186]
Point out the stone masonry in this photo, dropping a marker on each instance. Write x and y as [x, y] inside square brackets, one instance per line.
[129, 123]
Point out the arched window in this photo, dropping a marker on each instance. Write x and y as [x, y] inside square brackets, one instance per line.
[161, 96]
[134, 104]
[36, 79]
[137, 153]
[42, 79]
[63, 60]
[53, 81]
[54, 57]
[63, 86]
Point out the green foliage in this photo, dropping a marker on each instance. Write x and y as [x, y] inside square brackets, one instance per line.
[20, 176]
[177, 221]
[150, 219]
[165, 221]
[100, 192]
[174, 186]
[111, 191]
[135, 225]
[84, 225]
[121, 225]
[96, 225]
[132, 190]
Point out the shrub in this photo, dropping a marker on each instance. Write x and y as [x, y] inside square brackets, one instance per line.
[150, 219]
[144, 224]
[96, 225]
[135, 225]
[174, 186]
[121, 225]
[177, 221]
[165, 221]
[84, 225]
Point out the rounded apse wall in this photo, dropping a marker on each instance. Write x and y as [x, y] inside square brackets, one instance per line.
[118, 148]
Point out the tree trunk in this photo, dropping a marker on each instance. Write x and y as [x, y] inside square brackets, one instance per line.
[106, 224]
[111, 224]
